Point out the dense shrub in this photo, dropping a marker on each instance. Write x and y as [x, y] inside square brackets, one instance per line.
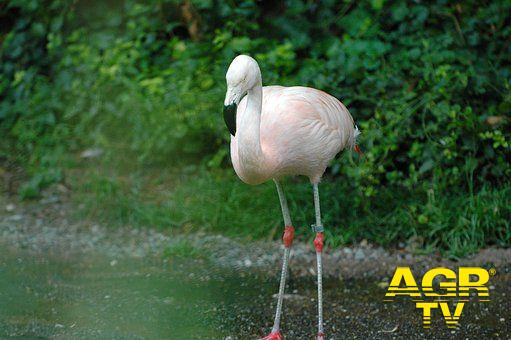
[34, 122]
[429, 83]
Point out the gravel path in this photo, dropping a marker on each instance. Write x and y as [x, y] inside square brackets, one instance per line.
[227, 284]
[46, 226]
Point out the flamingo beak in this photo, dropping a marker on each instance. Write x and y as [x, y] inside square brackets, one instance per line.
[230, 117]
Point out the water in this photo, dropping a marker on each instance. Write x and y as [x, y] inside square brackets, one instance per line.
[92, 296]
[68, 296]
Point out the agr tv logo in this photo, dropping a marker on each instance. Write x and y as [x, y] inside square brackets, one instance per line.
[450, 293]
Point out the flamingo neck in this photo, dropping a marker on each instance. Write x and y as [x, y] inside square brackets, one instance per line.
[249, 138]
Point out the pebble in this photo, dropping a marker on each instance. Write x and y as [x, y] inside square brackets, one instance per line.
[359, 254]
[16, 217]
[383, 284]
[289, 296]
[91, 153]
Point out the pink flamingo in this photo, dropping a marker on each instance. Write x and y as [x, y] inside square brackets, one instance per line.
[279, 131]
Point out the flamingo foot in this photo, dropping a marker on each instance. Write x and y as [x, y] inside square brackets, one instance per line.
[274, 335]
[320, 336]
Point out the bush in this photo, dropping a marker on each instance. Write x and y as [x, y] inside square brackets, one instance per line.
[429, 84]
[33, 121]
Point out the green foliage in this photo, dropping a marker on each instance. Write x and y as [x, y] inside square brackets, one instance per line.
[218, 202]
[428, 83]
[185, 249]
[33, 120]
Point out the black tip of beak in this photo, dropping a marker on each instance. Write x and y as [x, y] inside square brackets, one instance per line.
[230, 117]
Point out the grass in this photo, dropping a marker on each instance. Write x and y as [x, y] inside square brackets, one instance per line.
[126, 76]
[185, 249]
[188, 199]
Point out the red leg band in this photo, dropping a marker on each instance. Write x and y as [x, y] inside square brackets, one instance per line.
[273, 336]
[318, 242]
[320, 336]
[289, 234]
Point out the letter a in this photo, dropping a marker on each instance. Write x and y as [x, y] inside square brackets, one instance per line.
[410, 285]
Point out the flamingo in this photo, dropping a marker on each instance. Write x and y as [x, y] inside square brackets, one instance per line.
[279, 131]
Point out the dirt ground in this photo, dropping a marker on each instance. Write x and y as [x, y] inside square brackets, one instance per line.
[356, 279]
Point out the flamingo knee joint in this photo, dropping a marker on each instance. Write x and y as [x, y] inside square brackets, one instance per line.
[289, 234]
[318, 242]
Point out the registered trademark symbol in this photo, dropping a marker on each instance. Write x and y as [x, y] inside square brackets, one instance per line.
[492, 271]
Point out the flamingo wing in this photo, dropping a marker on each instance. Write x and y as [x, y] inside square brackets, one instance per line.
[302, 129]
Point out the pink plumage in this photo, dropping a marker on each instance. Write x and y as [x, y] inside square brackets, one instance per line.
[301, 131]
[279, 131]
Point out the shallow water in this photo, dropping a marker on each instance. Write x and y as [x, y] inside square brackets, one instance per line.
[93, 296]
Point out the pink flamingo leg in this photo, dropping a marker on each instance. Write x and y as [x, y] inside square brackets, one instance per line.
[288, 241]
[318, 245]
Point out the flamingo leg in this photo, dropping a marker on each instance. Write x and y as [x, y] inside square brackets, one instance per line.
[288, 240]
[318, 245]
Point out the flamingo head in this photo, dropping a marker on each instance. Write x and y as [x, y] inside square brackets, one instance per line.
[243, 74]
